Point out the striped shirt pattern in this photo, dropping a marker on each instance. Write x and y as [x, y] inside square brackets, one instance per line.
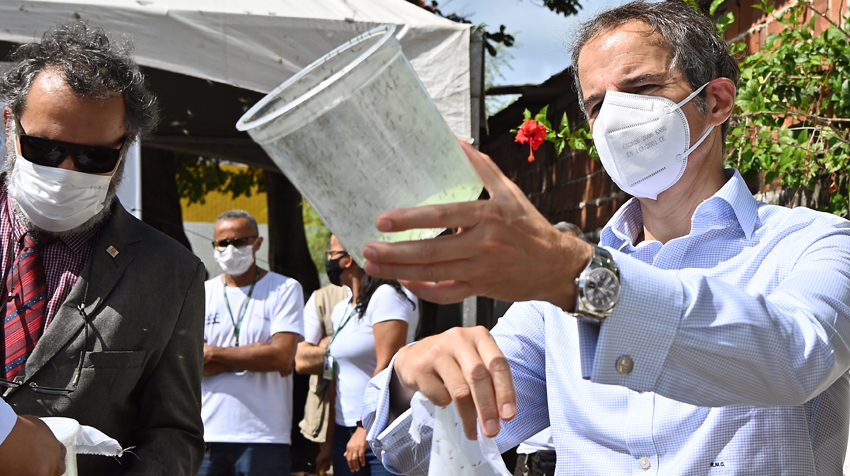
[63, 258]
[739, 334]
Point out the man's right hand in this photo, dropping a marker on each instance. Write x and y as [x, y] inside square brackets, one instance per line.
[32, 450]
[461, 365]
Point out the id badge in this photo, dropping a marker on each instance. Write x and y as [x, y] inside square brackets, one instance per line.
[328, 368]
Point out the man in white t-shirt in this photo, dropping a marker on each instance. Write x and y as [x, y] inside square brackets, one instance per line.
[253, 324]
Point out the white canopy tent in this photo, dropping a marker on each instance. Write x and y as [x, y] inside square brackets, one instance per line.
[258, 44]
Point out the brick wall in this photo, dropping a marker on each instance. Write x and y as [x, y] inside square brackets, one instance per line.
[571, 187]
[752, 26]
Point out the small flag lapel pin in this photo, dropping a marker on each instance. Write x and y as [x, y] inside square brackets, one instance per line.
[112, 251]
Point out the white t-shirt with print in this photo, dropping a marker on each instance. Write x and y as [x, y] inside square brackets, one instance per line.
[353, 349]
[243, 406]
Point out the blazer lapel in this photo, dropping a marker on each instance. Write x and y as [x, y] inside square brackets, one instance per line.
[110, 258]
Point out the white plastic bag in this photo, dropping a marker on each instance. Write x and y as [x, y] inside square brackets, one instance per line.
[451, 453]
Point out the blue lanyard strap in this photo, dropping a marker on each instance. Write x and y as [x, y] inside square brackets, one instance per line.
[238, 324]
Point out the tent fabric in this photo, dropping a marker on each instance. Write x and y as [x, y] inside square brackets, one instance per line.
[258, 44]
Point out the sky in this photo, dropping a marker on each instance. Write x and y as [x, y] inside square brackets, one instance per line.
[540, 33]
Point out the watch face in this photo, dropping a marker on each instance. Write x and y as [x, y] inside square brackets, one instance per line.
[601, 288]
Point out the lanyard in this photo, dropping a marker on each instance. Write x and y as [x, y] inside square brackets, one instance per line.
[344, 322]
[237, 325]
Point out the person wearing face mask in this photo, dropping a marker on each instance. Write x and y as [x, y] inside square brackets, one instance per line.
[309, 357]
[378, 318]
[709, 333]
[103, 314]
[254, 320]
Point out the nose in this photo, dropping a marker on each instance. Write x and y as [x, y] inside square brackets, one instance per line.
[67, 164]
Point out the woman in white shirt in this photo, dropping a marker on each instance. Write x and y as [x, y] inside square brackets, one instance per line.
[380, 317]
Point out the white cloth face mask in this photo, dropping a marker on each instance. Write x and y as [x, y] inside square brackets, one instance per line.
[55, 199]
[643, 141]
[235, 261]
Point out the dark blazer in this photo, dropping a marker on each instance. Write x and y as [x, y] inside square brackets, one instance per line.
[141, 377]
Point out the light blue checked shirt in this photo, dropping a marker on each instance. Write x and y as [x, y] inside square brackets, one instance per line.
[740, 337]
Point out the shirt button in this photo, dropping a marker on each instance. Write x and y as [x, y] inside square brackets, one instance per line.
[625, 365]
[644, 463]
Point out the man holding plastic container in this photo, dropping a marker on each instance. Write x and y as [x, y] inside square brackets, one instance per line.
[103, 314]
[711, 333]
[27, 446]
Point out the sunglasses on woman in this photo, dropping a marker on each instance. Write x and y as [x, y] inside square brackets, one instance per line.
[90, 159]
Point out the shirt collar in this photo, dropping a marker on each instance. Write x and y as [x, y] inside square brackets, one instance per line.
[625, 226]
[736, 193]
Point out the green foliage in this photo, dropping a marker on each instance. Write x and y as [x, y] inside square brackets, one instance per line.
[793, 117]
[318, 236]
[578, 139]
[198, 176]
[494, 39]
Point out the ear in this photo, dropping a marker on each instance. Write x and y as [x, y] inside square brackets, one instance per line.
[720, 96]
[258, 244]
[346, 261]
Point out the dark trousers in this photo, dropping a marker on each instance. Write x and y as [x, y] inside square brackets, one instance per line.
[541, 463]
[246, 459]
[373, 467]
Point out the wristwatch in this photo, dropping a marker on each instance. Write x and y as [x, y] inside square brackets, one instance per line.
[598, 287]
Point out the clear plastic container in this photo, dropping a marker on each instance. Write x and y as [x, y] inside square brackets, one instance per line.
[66, 431]
[357, 134]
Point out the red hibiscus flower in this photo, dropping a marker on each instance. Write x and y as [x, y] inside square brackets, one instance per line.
[532, 132]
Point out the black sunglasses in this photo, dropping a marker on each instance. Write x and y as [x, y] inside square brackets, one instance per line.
[75, 380]
[90, 159]
[221, 245]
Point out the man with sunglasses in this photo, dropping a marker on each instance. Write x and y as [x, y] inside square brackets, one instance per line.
[103, 314]
[254, 320]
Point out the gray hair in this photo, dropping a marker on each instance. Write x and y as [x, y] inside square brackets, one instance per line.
[91, 66]
[237, 214]
[695, 44]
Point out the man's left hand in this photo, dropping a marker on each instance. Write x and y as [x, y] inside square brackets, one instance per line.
[505, 249]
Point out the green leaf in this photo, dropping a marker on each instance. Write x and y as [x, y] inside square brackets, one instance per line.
[565, 125]
[714, 5]
[541, 116]
[526, 115]
[725, 21]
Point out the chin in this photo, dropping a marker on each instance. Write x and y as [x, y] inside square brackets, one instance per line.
[85, 226]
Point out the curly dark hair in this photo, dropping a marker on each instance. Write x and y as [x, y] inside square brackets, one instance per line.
[92, 66]
[369, 285]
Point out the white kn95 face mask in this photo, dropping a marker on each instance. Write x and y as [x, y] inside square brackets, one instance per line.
[235, 261]
[55, 199]
[643, 141]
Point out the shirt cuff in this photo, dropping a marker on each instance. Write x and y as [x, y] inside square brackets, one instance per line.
[631, 345]
[376, 403]
[8, 418]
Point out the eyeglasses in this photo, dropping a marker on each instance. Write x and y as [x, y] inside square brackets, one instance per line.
[90, 159]
[76, 378]
[221, 245]
[329, 254]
